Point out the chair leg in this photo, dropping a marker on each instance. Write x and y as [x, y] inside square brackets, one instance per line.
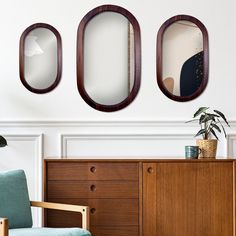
[3, 227]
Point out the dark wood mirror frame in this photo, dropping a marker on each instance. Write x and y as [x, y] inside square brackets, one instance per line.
[205, 57]
[21, 57]
[80, 58]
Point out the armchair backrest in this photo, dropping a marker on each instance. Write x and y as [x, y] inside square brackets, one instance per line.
[14, 199]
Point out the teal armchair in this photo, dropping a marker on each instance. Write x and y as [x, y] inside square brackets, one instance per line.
[15, 210]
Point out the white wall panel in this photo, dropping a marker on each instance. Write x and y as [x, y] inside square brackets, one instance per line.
[125, 146]
[231, 145]
[25, 152]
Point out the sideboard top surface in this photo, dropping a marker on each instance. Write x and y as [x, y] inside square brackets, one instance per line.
[143, 160]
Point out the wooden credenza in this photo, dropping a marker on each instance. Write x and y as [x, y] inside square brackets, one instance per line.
[144, 197]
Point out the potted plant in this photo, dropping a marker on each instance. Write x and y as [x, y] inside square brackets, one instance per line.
[3, 141]
[210, 124]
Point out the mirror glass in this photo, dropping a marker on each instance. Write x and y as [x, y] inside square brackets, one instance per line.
[108, 58]
[182, 58]
[40, 58]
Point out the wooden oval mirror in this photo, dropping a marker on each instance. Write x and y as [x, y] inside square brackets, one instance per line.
[182, 58]
[40, 58]
[108, 58]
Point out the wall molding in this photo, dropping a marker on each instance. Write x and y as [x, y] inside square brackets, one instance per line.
[231, 140]
[65, 138]
[38, 168]
[139, 129]
[101, 123]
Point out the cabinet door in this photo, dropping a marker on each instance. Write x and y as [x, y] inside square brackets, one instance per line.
[188, 198]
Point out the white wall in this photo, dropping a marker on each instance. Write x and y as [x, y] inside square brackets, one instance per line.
[64, 103]
[60, 123]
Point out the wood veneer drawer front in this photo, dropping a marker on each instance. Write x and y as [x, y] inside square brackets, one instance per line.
[92, 171]
[115, 231]
[93, 189]
[103, 212]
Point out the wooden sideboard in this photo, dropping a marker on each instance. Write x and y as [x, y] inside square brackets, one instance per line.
[144, 197]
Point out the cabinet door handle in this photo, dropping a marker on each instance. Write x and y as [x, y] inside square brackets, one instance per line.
[150, 170]
[93, 187]
[92, 210]
[93, 169]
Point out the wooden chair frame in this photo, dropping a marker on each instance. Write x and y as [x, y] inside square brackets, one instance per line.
[84, 210]
[3, 227]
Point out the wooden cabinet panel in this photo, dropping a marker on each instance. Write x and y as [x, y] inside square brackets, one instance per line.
[119, 230]
[103, 212]
[93, 189]
[59, 219]
[149, 199]
[115, 231]
[192, 198]
[91, 171]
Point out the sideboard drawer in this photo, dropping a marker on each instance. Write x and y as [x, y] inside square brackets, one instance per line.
[92, 189]
[103, 212]
[111, 189]
[115, 231]
[91, 171]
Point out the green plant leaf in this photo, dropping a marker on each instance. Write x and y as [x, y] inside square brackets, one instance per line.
[216, 127]
[207, 118]
[213, 115]
[222, 116]
[213, 132]
[202, 117]
[200, 110]
[3, 142]
[191, 120]
[200, 132]
[222, 127]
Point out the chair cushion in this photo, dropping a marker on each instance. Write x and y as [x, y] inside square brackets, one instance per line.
[49, 232]
[14, 199]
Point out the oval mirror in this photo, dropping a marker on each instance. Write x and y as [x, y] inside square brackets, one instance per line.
[40, 58]
[182, 58]
[108, 58]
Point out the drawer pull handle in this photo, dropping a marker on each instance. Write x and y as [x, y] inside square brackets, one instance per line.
[93, 169]
[150, 170]
[92, 210]
[93, 187]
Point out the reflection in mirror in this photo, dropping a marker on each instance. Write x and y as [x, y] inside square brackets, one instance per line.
[108, 58]
[184, 57]
[108, 50]
[40, 58]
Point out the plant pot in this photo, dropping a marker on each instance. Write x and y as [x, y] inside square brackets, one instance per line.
[208, 148]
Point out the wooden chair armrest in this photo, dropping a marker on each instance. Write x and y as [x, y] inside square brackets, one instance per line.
[3, 227]
[84, 210]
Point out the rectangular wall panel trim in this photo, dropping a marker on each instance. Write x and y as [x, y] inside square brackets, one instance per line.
[38, 167]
